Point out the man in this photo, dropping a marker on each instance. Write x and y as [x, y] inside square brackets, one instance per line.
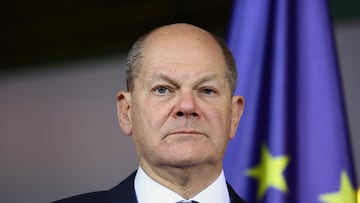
[181, 112]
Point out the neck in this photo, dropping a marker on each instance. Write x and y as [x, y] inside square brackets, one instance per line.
[185, 181]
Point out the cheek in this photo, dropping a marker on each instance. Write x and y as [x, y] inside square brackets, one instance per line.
[148, 117]
[141, 111]
[220, 122]
[154, 113]
[219, 115]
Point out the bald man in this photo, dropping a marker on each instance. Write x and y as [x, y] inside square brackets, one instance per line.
[181, 111]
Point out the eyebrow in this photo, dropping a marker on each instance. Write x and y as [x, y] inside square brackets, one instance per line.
[175, 83]
[207, 79]
[165, 78]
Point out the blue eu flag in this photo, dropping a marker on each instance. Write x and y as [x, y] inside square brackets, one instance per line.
[292, 142]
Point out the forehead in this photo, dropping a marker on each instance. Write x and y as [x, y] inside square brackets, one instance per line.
[182, 45]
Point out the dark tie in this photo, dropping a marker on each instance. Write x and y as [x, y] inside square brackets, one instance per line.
[187, 201]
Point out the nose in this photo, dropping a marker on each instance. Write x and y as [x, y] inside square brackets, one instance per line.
[186, 106]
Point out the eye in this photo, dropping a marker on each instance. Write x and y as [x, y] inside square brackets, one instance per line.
[161, 90]
[208, 91]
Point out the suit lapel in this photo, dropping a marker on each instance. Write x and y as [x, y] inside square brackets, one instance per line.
[234, 198]
[123, 192]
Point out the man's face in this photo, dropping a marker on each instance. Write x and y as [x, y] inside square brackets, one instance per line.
[181, 108]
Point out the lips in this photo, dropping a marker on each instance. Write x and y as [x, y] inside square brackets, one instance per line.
[185, 132]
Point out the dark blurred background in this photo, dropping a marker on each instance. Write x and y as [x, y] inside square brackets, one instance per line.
[40, 31]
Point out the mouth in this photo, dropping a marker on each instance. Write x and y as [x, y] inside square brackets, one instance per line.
[185, 132]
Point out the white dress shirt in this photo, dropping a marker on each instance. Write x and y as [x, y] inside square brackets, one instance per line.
[149, 191]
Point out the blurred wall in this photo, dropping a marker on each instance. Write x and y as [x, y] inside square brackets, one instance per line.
[59, 134]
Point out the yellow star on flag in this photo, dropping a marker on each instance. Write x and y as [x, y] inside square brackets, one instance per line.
[269, 172]
[346, 192]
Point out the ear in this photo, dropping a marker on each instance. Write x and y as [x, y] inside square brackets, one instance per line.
[238, 104]
[124, 111]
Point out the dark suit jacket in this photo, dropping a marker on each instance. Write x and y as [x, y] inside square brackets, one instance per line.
[124, 193]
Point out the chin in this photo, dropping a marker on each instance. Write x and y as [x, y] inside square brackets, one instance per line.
[189, 162]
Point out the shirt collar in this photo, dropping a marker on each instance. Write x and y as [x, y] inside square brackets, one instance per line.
[149, 191]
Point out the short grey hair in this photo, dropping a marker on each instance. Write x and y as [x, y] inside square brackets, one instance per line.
[135, 58]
